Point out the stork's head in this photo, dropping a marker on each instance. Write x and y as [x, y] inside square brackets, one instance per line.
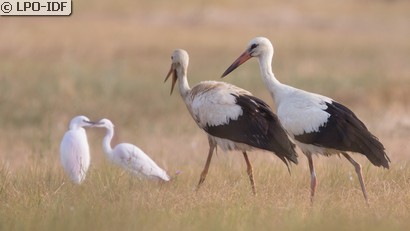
[80, 121]
[104, 123]
[179, 66]
[257, 47]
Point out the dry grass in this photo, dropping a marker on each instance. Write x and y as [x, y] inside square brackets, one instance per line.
[109, 59]
[40, 198]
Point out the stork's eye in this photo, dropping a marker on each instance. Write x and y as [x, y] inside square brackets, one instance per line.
[253, 46]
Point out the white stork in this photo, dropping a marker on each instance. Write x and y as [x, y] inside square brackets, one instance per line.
[231, 116]
[318, 124]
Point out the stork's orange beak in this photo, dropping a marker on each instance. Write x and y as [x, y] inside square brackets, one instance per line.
[241, 59]
[174, 77]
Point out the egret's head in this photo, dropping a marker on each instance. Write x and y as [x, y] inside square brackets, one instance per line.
[179, 66]
[104, 123]
[80, 121]
[257, 47]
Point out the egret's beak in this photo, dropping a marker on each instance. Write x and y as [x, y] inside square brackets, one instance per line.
[174, 77]
[98, 124]
[243, 58]
[91, 123]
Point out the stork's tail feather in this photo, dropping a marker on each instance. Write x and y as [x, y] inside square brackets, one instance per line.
[282, 145]
[374, 150]
[356, 137]
[279, 142]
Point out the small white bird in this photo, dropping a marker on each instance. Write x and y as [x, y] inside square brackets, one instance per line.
[74, 149]
[129, 156]
[318, 124]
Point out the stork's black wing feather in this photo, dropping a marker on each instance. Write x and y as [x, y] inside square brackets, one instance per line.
[259, 127]
[345, 132]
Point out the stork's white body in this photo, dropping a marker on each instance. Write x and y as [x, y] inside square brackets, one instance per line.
[212, 103]
[301, 112]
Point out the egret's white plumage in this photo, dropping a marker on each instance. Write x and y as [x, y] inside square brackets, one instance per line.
[318, 124]
[129, 156]
[231, 116]
[74, 149]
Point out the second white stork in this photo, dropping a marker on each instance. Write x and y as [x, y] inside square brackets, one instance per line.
[318, 124]
[231, 116]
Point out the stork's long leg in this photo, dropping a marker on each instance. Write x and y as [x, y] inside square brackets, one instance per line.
[250, 172]
[358, 169]
[212, 146]
[313, 181]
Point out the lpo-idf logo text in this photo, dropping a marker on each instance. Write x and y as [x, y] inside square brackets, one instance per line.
[35, 7]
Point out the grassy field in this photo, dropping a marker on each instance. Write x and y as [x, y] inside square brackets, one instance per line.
[109, 59]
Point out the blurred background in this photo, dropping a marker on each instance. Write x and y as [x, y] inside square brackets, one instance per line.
[109, 59]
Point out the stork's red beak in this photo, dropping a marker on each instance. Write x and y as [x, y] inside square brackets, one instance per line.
[242, 58]
[174, 77]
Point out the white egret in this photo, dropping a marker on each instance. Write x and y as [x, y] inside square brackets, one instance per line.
[74, 149]
[129, 156]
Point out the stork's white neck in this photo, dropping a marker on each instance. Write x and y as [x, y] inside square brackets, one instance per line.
[107, 142]
[183, 83]
[274, 86]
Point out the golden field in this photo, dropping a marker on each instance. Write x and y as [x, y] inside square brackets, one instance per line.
[109, 59]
